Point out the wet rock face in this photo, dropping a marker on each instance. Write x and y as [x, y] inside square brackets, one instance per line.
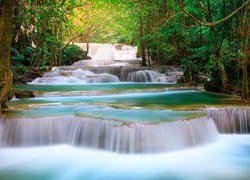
[231, 120]
[23, 94]
[27, 76]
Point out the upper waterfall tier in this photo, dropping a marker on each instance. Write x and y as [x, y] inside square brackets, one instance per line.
[110, 51]
[114, 136]
[110, 63]
[98, 63]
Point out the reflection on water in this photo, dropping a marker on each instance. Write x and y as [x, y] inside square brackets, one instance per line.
[228, 158]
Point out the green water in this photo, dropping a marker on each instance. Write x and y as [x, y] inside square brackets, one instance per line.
[95, 87]
[108, 113]
[129, 107]
[167, 98]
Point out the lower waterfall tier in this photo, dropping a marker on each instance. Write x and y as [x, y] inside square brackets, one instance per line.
[114, 136]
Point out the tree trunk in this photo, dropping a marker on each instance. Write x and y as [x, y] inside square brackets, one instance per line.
[224, 78]
[158, 49]
[217, 49]
[6, 27]
[143, 54]
[148, 54]
[245, 47]
[87, 51]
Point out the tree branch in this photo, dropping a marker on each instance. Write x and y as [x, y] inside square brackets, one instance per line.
[84, 34]
[212, 23]
[72, 39]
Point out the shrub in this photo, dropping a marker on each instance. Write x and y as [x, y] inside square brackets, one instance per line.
[72, 54]
[24, 58]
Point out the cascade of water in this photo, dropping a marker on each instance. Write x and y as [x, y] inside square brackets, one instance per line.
[122, 72]
[105, 52]
[93, 63]
[109, 135]
[66, 75]
[110, 51]
[97, 63]
[78, 76]
[146, 76]
[231, 120]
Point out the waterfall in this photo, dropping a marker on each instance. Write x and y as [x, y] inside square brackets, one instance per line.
[79, 76]
[231, 120]
[110, 51]
[146, 76]
[97, 63]
[107, 74]
[105, 52]
[172, 73]
[114, 136]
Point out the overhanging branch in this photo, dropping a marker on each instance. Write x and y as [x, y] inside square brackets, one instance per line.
[212, 23]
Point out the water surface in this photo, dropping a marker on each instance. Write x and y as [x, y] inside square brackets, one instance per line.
[228, 158]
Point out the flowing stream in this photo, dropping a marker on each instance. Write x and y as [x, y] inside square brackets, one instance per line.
[116, 120]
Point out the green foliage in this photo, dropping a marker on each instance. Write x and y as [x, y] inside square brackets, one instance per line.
[214, 83]
[43, 26]
[72, 54]
[16, 56]
[28, 55]
[17, 70]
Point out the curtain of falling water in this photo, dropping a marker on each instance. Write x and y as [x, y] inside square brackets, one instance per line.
[109, 135]
[231, 120]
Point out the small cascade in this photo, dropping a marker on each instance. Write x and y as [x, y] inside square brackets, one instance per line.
[110, 51]
[79, 76]
[97, 63]
[231, 120]
[146, 76]
[113, 136]
[127, 53]
[105, 52]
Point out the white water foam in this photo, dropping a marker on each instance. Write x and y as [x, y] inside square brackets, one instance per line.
[79, 76]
